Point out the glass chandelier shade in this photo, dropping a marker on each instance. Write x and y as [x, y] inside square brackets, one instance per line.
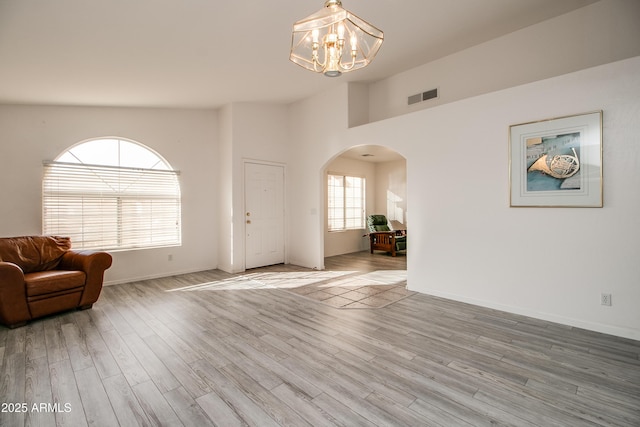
[333, 41]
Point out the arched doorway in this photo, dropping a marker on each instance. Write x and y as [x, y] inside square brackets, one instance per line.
[382, 172]
[361, 279]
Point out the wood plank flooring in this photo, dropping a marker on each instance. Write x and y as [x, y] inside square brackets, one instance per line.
[218, 349]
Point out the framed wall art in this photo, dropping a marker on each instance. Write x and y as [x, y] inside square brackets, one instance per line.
[557, 162]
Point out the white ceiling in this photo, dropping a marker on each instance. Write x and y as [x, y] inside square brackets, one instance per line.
[207, 53]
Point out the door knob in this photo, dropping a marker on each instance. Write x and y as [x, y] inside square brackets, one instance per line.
[248, 221]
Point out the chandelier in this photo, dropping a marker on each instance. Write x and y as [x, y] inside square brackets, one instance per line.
[333, 41]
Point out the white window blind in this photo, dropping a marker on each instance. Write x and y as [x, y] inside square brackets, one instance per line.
[111, 207]
[346, 202]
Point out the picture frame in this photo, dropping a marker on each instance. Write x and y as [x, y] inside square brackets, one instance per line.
[556, 162]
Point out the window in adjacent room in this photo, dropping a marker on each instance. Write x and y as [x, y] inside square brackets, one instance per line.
[346, 202]
[112, 193]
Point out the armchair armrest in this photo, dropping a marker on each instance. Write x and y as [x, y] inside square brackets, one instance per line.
[383, 235]
[94, 265]
[382, 238]
[13, 295]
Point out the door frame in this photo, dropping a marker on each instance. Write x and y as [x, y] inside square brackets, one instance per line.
[285, 237]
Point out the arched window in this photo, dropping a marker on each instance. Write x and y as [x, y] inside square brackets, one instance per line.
[111, 193]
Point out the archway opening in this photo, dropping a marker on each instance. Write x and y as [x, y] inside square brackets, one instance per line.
[361, 181]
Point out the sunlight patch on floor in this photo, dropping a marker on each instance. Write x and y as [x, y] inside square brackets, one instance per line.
[265, 280]
[336, 288]
[375, 289]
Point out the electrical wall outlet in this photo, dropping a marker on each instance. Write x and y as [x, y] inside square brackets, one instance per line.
[170, 257]
[605, 299]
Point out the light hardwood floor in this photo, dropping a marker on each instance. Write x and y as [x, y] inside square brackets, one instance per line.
[218, 349]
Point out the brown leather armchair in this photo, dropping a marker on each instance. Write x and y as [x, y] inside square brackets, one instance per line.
[41, 275]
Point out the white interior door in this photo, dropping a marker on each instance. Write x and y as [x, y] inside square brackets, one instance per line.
[264, 214]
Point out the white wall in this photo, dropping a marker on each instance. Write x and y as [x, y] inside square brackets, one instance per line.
[256, 132]
[312, 145]
[391, 192]
[468, 245]
[187, 139]
[597, 34]
[224, 165]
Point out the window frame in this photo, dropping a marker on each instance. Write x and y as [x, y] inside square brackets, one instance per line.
[120, 207]
[346, 217]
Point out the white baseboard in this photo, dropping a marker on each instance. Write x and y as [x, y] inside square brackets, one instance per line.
[568, 321]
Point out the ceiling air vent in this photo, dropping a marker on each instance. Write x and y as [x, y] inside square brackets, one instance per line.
[414, 99]
[424, 96]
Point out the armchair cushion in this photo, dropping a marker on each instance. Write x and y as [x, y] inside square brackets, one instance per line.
[34, 253]
[377, 223]
[46, 282]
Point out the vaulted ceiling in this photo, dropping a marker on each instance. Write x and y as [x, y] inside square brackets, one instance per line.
[207, 53]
